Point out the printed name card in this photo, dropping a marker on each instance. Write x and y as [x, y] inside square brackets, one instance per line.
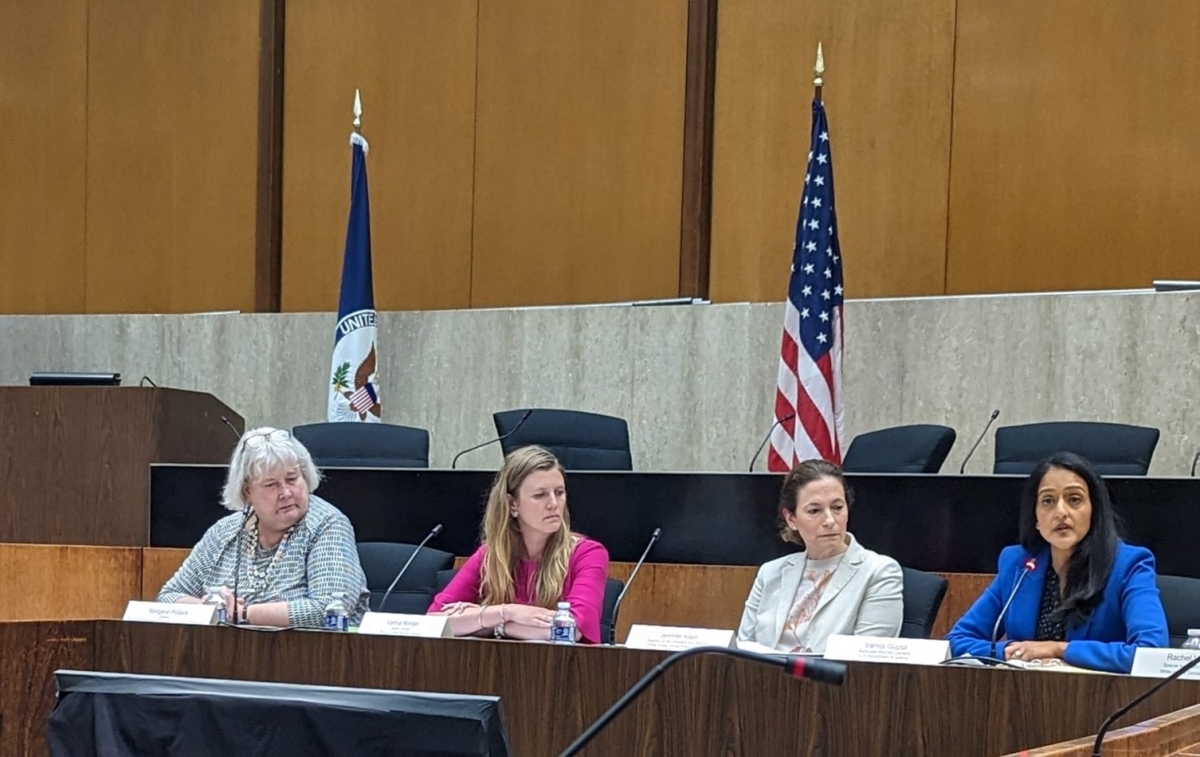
[1160, 663]
[400, 624]
[876, 649]
[163, 612]
[675, 638]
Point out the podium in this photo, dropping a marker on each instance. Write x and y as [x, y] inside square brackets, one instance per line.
[75, 461]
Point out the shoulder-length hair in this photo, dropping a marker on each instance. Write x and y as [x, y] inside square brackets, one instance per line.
[502, 534]
[259, 452]
[1092, 561]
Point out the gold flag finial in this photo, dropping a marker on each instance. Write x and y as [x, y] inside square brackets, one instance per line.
[819, 70]
[357, 112]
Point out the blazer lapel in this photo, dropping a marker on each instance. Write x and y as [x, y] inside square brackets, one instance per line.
[789, 582]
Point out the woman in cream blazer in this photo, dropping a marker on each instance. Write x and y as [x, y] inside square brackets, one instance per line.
[836, 586]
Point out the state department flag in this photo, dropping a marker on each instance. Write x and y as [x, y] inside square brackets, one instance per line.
[354, 381]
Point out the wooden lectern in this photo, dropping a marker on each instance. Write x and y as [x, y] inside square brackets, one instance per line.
[75, 461]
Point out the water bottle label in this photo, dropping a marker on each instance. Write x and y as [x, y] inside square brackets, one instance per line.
[337, 622]
[564, 634]
[221, 614]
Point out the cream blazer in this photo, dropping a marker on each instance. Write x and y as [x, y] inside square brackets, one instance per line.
[864, 597]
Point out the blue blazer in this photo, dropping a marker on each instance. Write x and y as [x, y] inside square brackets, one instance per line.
[1129, 615]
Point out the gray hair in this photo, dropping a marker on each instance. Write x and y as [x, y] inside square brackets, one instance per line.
[259, 452]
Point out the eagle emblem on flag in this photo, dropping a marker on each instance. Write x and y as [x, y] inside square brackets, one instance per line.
[362, 396]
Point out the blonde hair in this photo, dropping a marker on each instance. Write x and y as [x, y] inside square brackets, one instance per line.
[259, 452]
[502, 535]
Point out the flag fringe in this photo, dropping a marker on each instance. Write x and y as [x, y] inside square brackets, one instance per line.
[360, 140]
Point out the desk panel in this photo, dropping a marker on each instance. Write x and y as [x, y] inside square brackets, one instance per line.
[549, 693]
[948, 524]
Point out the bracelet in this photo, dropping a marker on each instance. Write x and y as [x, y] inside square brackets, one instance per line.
[503, 619]
[482, 610]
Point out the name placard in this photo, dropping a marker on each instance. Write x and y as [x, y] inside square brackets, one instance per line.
[676, 638]
[1160, 663]
[400, 624]
[165, 612]
[876, 649]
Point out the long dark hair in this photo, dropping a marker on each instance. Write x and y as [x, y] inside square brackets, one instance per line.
[1093, 558]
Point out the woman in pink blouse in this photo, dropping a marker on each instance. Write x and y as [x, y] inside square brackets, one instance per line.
[529, 560]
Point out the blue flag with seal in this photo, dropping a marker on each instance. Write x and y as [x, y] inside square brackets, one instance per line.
[354, 381]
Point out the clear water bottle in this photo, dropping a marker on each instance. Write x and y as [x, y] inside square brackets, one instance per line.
[1193, 639]
[336, 616]
[213, 597]
[562, 628]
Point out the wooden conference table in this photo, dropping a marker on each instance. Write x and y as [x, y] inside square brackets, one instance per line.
[549, 694]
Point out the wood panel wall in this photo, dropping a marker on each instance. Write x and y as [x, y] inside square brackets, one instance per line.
[43, 150]
[172, 155]
[414, 63]
[1076, 161]
[579, 151]
[889, 72]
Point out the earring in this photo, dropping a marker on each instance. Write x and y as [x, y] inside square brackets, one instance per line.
[513, 513]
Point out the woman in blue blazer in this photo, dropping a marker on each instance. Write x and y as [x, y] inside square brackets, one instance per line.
[1075, 591]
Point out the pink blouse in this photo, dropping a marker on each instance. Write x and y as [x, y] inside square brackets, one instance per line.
[587, 573]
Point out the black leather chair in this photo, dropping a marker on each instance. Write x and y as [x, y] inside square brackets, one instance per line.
[365, 445]
[581, 441]
[920, 448]
[1181, 603]
[382, 560]
[1114, 448]
[608, 621]
[923, 595]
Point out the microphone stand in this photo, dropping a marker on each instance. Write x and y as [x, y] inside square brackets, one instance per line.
[625, 589]
[237, 563]
[828, 672]
[1138, 700]
[502, 437]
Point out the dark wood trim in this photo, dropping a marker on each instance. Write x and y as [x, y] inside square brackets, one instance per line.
[696, 216]
[268, 236]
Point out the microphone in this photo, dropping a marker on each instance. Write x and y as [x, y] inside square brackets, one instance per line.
[1138, 700]
[620, 597]
[1030, 565]
[434, 532]
[237, 563]
[770, 431]
[991, 420]
[1194, 460]
[812, 668]
[232, 427]
[500, 438]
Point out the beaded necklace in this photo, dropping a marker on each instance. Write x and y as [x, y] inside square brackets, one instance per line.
[260, 572]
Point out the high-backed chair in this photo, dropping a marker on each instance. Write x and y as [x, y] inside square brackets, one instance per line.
[1114, 448]
[365, 445]
[608, 620]
[382, 560]
[581, 441]
[923, 595]
[920, 448]
[1181, 603]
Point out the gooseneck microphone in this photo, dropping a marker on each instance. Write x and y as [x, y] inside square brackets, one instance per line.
[625, 589]
[812, 668]
[432, 533]
[1138, 700]
[500, 438]
[237, 563]
[1194, 460]
[232, 428]
[767, 438]
[991, 420]
[1030, 565]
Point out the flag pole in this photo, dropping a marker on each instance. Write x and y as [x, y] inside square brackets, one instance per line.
[818, 71]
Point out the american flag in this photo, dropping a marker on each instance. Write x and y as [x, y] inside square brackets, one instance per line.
[808, 402]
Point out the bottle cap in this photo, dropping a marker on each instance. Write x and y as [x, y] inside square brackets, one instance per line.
[567, 606]
[1194, 632]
